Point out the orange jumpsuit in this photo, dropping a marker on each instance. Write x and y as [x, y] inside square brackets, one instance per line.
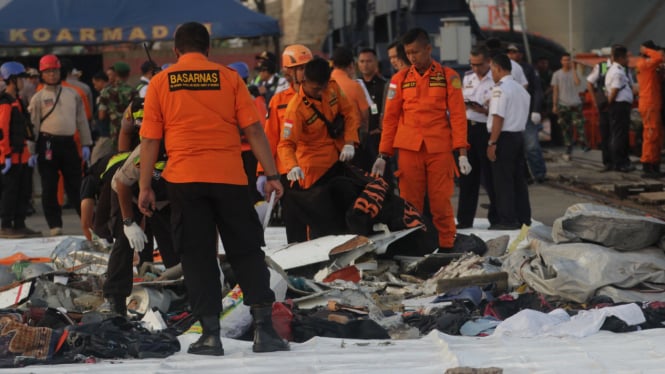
[305, 141]
[426, 138]
[275, 124]
[650, 105]
[353, 91]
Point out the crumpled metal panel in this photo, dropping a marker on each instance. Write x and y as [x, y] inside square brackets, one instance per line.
[74, 252]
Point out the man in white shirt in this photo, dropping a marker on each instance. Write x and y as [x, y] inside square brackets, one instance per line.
[620, 99]
[508, 112]
[477, 90]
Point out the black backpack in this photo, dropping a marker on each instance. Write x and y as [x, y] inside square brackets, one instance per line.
[20, 126]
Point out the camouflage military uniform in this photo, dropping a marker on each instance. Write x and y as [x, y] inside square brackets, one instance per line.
[571, 119]
[114, 100]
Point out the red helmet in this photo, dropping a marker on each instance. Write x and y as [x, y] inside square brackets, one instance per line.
[49, 62]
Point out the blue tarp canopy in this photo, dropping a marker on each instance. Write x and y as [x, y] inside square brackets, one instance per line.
[67, 22]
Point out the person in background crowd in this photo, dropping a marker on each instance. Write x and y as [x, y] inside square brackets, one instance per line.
[375, 85]
[100, 127]
[534, 154]
[425, 118]
[73, 79]
[397, 56]
[506, 120]
[477, 91]
[596, 85]
[343, 74]
[200, 125]
[567, 105]
[148, 70]
[650, 105]
[57, 113]
[114, 100]
[620, 99]
[18, 162]
[30, 84]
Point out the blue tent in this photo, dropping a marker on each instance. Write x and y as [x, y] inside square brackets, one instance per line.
[67, 22]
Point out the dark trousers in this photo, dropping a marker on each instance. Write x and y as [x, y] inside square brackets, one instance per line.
[120, 275]
[296, 229]
[64, 159]
[605, 136]
[250, 163]
[199, 211]
[510, 187]
[16, 193]
[619, 112]
[481, 173]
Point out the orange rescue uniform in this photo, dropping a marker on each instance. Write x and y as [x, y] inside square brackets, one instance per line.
[416, 122]
[275, 125]
[649, 106]
[305, 141]
[5, 148]
[212, 154]
[352, 89]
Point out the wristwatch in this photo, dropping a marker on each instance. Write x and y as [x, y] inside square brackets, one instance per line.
[127, 221]
[274, 177]
[491, 143]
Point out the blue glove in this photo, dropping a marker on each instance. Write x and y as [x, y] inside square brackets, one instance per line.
[85, 152]
[32, 161]
[8, 165]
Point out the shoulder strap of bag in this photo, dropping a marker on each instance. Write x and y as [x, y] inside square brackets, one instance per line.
[318, 113]
[57, 97]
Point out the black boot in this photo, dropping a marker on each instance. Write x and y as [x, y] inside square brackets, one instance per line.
[118, 304]
[209, 343]
[266, 338]
[650, 171]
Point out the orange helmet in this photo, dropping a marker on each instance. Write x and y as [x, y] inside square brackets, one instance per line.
[49, 62]
[295, 55]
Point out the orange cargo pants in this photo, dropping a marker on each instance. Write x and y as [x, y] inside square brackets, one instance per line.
[432, 173]
[652, 136]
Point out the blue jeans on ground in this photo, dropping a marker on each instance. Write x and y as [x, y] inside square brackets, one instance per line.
[532, 150]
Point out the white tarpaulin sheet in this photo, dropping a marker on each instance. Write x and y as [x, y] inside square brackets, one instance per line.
[600, 353]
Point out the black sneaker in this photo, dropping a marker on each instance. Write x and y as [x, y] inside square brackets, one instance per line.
[626, 169]
[461, 226]
[28, 232]
[10, 233]
[503, 226]
[606, 168]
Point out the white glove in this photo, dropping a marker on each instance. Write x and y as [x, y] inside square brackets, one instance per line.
[135, 236]
[261, 185]
[295, 174]
[347, 153]
[464, 165]
[379, 167]
[535, 118]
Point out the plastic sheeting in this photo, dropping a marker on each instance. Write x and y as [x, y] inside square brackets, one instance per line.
[607, 226]
[579, 271]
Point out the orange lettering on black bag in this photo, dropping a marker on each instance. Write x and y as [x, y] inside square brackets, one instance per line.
[371, 198]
